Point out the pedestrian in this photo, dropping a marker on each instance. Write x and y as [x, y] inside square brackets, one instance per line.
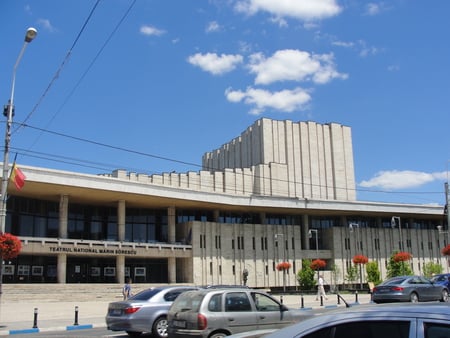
[321, 289]
[126, 291]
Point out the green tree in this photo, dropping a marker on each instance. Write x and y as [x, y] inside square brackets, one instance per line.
[352, 273]
[305, 276]
[373, 273]
[430, 269]
[401, 268]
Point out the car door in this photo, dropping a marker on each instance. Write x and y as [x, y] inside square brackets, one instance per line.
[427, 291]
[269, 312]
[239, 314]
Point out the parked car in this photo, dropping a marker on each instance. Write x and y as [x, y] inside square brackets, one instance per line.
[430, 320]
[215, 313]
[442, 279]
[409, 289]
[144, 312]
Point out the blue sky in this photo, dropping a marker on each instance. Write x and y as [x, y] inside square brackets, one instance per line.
[151, 85]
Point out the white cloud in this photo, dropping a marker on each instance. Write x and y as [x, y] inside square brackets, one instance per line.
[397, 179]
[294, 65]
[150, 30]
[213, 26]
[373, 9]
[215, 64]
[284, 100]
[298, 9]
[46, 24]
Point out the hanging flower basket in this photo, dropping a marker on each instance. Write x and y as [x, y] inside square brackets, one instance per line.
[10, 246]
[318, 264]
[283, 266]
[402, 257]
[360, 259]
[446, 250]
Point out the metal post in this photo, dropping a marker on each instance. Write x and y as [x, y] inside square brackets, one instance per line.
[76, 316]
[35, 318]
[302, 302]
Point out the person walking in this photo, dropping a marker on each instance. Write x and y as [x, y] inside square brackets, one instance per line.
[321, 289]
[126, 291]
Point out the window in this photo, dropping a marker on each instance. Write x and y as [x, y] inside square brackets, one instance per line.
[391, 329]
[237, 302]
[434, 330]
[215, 303]
[264, 303]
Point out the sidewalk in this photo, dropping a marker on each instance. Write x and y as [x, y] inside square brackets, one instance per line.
[20, 317]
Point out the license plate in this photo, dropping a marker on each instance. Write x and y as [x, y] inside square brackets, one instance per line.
[116, 312]
[179, 323]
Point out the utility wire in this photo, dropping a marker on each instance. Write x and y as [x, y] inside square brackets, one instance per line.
[58, 71]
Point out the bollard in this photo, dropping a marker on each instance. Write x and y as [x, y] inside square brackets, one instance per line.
[302, 302]
[281, 299]
[338, 299]
[35, 318]
[356, 297]
[321, 300]
[76, 316]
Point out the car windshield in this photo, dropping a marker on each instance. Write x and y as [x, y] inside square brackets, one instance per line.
[145, 295]
[188, 301]
[438, 279]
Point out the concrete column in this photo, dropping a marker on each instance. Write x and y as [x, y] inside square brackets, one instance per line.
[305, 229]
[63, 215]
[61, 268]
[171, 221]
[121, 213]
[172, 270]
[120, 268]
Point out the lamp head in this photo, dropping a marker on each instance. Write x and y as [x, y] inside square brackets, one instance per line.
[439, 227]
[31, 34]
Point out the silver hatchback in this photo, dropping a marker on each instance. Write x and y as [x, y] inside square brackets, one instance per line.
[218, 313]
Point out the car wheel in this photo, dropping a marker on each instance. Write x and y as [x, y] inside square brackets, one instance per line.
[444, 296]
[218, 335]
[159, 328]
[413, 298]
[133, 333]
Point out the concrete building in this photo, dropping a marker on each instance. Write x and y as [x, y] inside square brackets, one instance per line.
[255, 203]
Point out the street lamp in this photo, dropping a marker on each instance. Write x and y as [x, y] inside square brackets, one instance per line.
[310, 232]
[284, 258]
[394, 220]
[8, 111]
[358, 246]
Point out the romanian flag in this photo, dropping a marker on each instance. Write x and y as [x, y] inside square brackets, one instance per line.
[17, 177]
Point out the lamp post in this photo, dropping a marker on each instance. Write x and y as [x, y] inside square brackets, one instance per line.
[310, 232]
[284, 258]
[8, 111]
[394, 220]
[441, 231]
[358, 246]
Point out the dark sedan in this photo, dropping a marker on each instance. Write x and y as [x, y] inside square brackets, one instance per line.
[429, 320]
[144, 312]
[409, 289]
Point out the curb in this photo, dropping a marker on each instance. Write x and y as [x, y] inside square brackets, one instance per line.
[56, 328]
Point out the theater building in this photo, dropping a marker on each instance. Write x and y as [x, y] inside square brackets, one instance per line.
[281, 191]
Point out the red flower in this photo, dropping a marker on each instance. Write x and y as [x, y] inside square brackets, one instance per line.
[318, 264]
[446, 250]
[402, 257]
[360, 259]
[283, 266]
[10, 246]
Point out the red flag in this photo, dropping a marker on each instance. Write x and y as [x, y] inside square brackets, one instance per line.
[17, 177]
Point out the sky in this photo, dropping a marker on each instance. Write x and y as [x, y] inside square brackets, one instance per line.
[151, 85]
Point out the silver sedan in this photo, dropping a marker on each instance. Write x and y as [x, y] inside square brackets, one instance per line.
[409, 289]
[144, 312]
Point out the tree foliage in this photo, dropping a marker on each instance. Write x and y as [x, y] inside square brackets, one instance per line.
[352, 273]
[397, 267]
[373, 273]
[430, 269]
[305, 276]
